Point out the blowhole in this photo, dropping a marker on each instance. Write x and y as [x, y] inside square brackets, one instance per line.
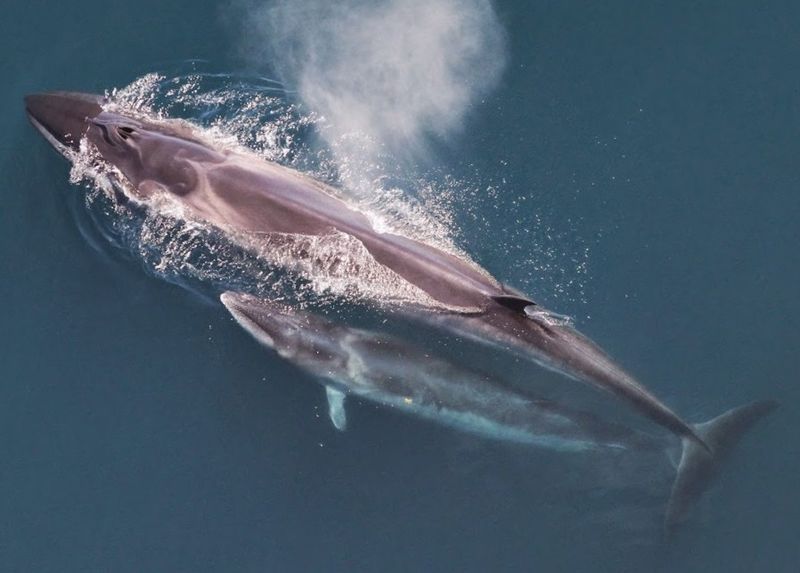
[124, 131]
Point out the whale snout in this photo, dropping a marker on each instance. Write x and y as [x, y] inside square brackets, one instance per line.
[63, 117]
[269, 322]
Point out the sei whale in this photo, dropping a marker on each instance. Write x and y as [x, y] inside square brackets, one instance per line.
[393, 373]
[239, 193]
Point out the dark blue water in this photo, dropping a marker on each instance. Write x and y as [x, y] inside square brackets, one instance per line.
[635, 167]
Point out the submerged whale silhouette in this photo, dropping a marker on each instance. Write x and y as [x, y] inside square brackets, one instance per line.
[239, 193]
[388, 371]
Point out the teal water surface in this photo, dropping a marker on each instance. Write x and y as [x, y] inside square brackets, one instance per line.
[635, 167]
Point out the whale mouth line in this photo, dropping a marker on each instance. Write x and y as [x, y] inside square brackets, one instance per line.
[62, 148]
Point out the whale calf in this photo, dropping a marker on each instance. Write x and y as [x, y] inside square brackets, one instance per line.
[393, 373]
[239, 193]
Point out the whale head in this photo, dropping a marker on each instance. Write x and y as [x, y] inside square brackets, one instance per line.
[307, 340]
[148, 154]
[63, 117]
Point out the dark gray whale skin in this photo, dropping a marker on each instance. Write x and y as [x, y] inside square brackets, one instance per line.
[238, 192]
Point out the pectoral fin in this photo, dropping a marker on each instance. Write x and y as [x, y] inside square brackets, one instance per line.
[336, 408]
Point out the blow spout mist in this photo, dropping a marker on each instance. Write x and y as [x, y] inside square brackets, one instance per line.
[389, 74]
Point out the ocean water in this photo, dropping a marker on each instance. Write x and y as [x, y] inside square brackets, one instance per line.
[633, 166]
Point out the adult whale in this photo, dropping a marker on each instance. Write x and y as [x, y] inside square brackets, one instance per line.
[239, 193]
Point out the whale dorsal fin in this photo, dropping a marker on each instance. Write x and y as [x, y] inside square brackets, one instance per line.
[514, 302]
[336, 408]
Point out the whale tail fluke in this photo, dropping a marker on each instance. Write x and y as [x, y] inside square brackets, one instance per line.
[698, 467]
